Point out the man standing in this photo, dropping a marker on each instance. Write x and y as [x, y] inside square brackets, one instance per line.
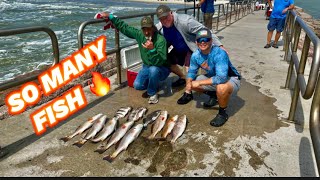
[153, 51]
[207, 8]
[220, 81]
[277, 20]
[180, 31]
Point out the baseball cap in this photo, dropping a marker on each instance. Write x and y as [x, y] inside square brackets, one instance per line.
[203, 33]
[146, 21]
[162, 11]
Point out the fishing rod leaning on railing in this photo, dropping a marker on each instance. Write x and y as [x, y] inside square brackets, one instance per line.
[292, 32]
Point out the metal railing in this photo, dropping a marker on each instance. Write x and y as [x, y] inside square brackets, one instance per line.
[236, 11]
[293, 28]
[55, 48]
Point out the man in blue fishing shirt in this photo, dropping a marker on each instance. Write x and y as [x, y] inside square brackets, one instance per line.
[277, 20]
[220, 81]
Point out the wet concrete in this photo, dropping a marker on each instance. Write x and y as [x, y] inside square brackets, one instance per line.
[253, 142]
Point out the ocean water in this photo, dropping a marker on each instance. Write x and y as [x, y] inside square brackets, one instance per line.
[27, 52]
[311, 7]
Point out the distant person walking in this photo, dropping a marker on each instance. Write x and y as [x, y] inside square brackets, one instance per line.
[277, 20]
[207, 7]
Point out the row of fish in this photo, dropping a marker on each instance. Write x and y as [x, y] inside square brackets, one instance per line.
[124, 135]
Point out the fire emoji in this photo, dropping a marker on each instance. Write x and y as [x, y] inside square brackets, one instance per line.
[101, 86]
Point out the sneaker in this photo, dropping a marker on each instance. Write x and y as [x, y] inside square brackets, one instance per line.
[267, 46]
[179, 82]
[185, 98]
[275, 45]
[153, 99]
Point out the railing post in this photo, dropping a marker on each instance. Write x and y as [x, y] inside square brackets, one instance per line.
[218, 18]
[314, 124]
[117, 46]
[227, 14]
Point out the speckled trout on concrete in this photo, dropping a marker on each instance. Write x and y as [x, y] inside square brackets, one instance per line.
[120, 132]
[128, 138]
[96, 127]
[82, 127]
[108, 129]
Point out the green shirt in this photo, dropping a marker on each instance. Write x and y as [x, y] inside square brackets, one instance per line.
[154, 57]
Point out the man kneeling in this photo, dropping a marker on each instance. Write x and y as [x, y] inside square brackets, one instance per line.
[220, 81]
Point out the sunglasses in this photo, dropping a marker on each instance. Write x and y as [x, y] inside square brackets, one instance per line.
[200, 40]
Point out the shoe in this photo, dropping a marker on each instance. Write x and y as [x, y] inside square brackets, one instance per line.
[179, 82]
[153, 99]
[275, 45]
[219, 120]
[145, 95]
[267, 46]
[185, 98]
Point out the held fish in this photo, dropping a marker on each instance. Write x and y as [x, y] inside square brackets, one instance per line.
[129, 137]
[96, 127]
[82, 127]
[122, 112]
[179, 128]
[169, 126]
[158, 124]
[120, 132]
[108, 129]
[151, 118]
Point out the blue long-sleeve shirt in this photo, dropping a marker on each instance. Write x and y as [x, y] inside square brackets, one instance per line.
[216, 64]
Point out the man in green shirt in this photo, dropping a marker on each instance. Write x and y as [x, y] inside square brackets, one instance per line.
[153, 51]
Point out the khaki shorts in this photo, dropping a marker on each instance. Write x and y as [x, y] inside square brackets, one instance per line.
[235, 81]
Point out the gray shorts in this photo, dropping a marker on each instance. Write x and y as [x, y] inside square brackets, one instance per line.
[235, 81]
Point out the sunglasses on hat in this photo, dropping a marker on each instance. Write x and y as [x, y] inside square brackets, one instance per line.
[200, 40]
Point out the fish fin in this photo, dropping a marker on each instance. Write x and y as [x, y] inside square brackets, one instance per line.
[65, 139]
[108, 158]
[80, 143]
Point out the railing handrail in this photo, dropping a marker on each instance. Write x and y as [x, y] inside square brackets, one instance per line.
[55, 47]
[294, 26]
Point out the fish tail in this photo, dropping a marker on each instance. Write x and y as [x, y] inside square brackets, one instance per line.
[65, 139]
[172, 141]
[80, 143]
[109, 158]
[101, 150]
[151, 136]
[161, 139]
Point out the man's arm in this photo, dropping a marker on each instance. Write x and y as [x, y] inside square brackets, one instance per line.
[288, 8]
[123, 27]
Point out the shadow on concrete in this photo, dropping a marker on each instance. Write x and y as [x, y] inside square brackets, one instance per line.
[234, 105]
[307, 166]
[13, 148]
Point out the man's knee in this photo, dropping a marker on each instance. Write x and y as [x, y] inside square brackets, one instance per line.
[224, 90]
[138, 85]
[153, 71]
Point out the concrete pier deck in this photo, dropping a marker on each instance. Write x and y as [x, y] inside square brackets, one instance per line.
[255, 141]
